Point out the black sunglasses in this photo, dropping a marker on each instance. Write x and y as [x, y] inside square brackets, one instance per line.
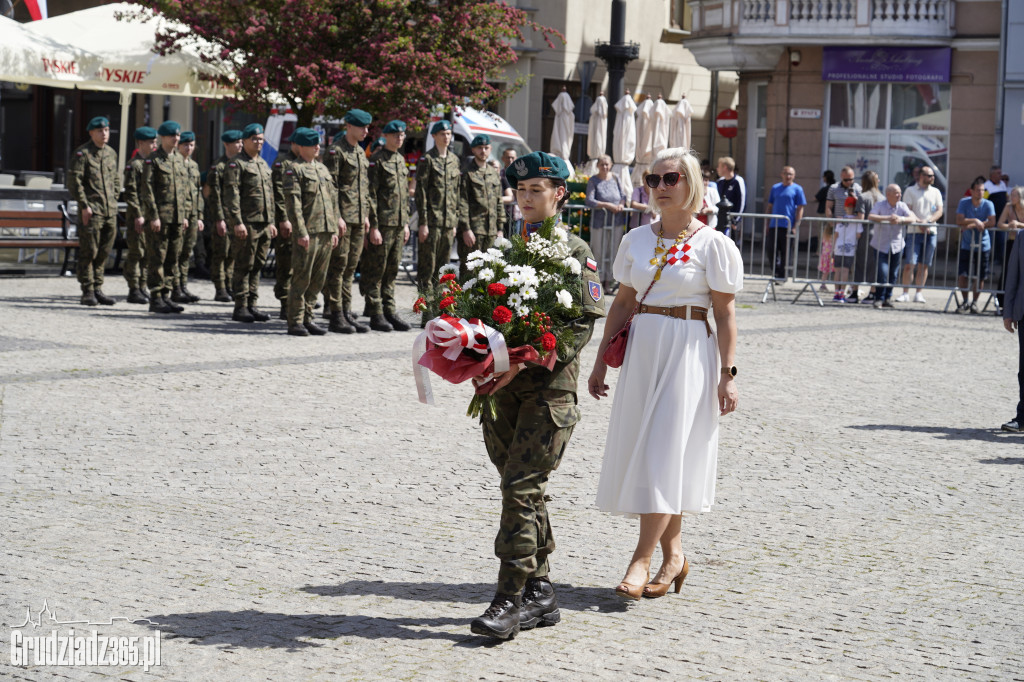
[653, 179]
[847, 180]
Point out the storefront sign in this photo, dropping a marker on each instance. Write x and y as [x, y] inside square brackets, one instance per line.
[805, 113]
[886, 64]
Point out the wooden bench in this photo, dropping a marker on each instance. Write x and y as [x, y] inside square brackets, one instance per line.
[39, 222]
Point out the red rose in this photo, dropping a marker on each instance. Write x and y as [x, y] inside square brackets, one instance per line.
[447, 302]
[501, 314]
[548, 341]
[496, 289]
[447, 277]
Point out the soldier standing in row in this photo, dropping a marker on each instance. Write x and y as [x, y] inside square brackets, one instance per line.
[134, 267]
[186, 147]
[221, 261]
[283, 240]
[249, 208]
[437, 198]
[389, 230]
[94, 184]
[312, 204]
[350, 169]
[164, 202]
[481, 212]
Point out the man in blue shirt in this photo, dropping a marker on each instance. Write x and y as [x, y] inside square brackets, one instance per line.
[974, 215]
[786, 198]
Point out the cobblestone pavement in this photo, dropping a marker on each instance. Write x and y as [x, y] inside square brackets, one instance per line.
[283, 509]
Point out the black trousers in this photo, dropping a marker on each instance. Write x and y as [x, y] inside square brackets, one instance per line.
[1020, 372]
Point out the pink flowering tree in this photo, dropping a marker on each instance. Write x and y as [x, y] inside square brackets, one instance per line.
[394, 58]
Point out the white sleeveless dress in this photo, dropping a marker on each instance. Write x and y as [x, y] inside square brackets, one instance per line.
[661, 454]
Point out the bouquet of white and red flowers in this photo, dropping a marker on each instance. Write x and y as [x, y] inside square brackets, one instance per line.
[516, 306]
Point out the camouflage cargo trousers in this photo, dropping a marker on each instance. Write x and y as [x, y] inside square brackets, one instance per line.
[94, 243]
[135, 256]
[162, 249]
[526, 443]
[380, 269]
[188, 245]
[221, 260]
[309, 270]
[342, 270]
[282, 266]
[250, 255]
[483, 242]
[433, 253]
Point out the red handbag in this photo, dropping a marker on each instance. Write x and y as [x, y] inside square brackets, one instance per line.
[615, 353]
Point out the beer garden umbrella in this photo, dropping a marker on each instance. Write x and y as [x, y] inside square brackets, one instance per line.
[624, 141]
[644, 137]
[561, 134]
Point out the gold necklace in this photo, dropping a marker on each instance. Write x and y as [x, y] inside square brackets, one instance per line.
[665, 253]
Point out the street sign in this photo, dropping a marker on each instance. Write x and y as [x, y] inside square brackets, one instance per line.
[727, 123]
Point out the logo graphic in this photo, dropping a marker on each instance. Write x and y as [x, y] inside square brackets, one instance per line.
[520, 167]
[595, 291]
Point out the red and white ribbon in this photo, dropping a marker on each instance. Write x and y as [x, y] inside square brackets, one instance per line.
[455, 335]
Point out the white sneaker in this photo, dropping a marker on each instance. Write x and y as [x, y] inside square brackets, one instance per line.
[902, 298]
[919, 297]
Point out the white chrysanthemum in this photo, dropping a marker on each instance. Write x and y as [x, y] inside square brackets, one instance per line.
[515, 300]
[474, 264]
[533, 281]
[506, 281]
[469, 283]
[446, 268]
[529, 293]
[495, 253]
[573, 265]
[559, 235]
[527, 271]
[503, 243]
[564, 298]
[515, 278]
[476, 255]
[486, 275]
[522, 311]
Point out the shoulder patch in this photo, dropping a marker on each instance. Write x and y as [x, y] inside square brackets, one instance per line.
[594, 289]
[232, 165]
[79, 153]
[149, 161]
[591, 264]
[289, 172]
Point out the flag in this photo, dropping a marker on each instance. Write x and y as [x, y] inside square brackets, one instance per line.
[37, 8]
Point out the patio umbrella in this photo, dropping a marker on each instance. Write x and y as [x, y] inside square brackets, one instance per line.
[679, 129]
[561, 134]
[26, 57]
[659, 121]
[624, 141]
[644, 138]
[597, 133]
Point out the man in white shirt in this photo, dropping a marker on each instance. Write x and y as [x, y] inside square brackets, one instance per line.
[925, 201]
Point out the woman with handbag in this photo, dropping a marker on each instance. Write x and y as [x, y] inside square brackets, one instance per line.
[662, 447]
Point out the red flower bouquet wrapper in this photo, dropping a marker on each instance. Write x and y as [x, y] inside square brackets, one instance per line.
[470, 364]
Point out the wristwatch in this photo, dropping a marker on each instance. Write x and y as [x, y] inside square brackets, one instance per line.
[731, 371]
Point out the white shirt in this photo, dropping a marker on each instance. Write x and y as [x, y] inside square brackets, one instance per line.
[711, 200]
[923, 202]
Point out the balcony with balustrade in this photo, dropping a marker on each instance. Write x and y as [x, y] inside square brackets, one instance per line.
[751, 34]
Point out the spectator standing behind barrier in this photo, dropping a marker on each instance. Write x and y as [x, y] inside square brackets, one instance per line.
[975, 215]
[890, 215]
[1010, 219]
[1013, 314]
[733, 189]
[844, 249]
[709, 208]
[604, 192]
[864, 264]
[839, 191]
[786, 198]
[639, 202]
[828, 179]
[926, 202]
[996, 191]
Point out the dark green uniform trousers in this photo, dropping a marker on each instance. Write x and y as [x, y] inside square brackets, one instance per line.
[433, 253]
[250, 255]
[483, 242]
[135, 257]
[188, 245]
[309, 270]
[221, 261]
[282, 266]
[162, 249]
[342, 270]
[380, 269]
[94, 243]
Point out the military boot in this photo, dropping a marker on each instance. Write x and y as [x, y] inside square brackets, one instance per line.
[145, 292]
[242, 314]
[339, 324]
[501, 619]
[89, 299]
[379, 324]
[222, 296]
[283, 315]
[356, 324]
[397, 323]
[175, 308]
[298, 331]
[135, 296]
[157, 305]
[192, 298]
[177, 296]
[102, 298]
[256, 313]
[313, 329]
[540, 606]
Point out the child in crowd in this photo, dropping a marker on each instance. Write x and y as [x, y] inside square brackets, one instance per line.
[828, 239]
[845, 249]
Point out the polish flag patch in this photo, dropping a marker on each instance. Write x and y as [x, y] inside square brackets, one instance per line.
[592, 264]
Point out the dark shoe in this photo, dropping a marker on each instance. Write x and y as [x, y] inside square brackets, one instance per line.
[222, 296]
[397, 323]
[655, 590]
[135, 296]
[379, 324]
[256, 314]
[501, 619]
[89, 299]
[339, 324]
[298, 331]
[102, 297]
[876, 304]
[359, 326]
[868, 299]
[231, 292]
[853, 298]
[175, 308]
[888, 304]
[145, 292]
[313, 329]
[178, 296]
[1012, 425]
[963, 308]
[317, 305]
[157, 305]
[326, 313]
[540, 606]
[192, 298]
[242, 314]
[283, 315]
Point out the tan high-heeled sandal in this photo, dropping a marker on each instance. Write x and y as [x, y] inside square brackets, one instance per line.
[655, 590]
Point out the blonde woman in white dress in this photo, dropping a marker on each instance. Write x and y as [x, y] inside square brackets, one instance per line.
[677, 378]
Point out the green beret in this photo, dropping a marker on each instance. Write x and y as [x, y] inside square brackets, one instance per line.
[395, 126]
[187, 136]
[337, 136]
[98, 122]
[305, 137]
[145, 133]
[231, 136]
[480, 140]
[251, 129]
[380, 142]
[440, 127]
[536, 165]
[358, 117]
[168, 128]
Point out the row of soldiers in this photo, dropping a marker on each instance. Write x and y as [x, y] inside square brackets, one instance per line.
[325, 219]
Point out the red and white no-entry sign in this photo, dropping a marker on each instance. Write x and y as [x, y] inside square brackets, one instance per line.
[726, 123]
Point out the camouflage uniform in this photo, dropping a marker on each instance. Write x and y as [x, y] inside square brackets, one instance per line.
[536, 414]
[480, 209]
[135, 257]
[282, 245]
[165, 191]
[312, 205]
[389, 213]
[221, 259]
[249, 200]
[93, 183]
[195, 214]
[437, 200]
[349, 167]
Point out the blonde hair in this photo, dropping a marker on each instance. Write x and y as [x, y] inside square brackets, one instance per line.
[689, 165]
[728, 162]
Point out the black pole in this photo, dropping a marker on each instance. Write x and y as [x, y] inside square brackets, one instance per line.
[616, 54]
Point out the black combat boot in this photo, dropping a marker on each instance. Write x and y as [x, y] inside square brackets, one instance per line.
[379, 324]
[157, 305]
[89, 299]
[222, 296]
[255, 312]
[501, 619]
[313, 329]
[283, 315]
[178, 296]
[102, 298]
[327, 312]
[339, 324]
[192, 298]
[175, 308]
[298, 331]
[135, 296]
[145, 292]
[242, 314]
[540, 606]
[397, 323]
[359, 326]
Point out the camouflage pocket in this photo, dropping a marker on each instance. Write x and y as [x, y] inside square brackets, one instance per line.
[562, 407]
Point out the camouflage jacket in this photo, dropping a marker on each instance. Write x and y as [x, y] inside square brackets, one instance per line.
[195, 195]
[215, 181]
[480, 207]
[282, 163]
[248, 191]
[93, 180]
[132, 184]
[437, 190]
[165, 187]
[350, 169]
[311, 198]
[389, 190]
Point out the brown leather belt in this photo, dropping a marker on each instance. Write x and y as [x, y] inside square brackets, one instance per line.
[680, 312]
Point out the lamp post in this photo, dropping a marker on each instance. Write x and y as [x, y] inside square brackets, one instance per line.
[616, 54]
